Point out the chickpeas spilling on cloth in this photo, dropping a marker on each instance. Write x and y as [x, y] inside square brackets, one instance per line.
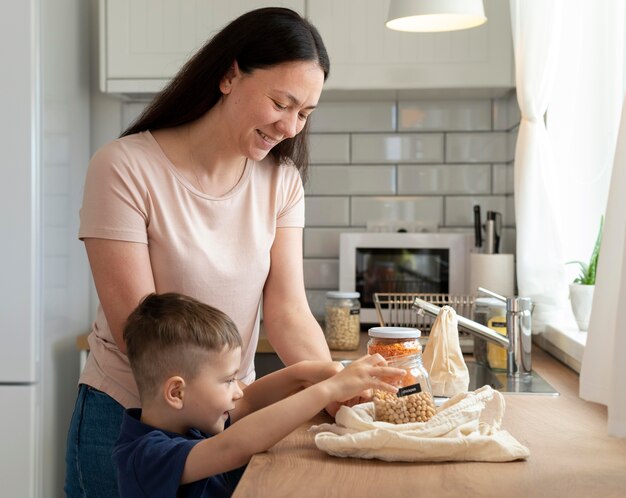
[418, 407]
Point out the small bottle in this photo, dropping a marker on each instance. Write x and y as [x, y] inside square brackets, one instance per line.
[342, 326]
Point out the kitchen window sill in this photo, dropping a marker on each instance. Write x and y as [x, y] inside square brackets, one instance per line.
[565, 342]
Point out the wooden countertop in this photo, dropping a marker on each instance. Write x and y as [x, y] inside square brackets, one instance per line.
[571, 456]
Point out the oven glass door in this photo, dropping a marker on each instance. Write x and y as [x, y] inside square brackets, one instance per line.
[401, 270]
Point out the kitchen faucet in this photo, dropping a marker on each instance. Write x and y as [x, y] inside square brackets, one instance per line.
[518, 341]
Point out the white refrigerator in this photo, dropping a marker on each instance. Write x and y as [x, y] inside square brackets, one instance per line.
[20, 251]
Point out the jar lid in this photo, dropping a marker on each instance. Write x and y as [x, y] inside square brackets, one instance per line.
[394, 332]
[342, 295]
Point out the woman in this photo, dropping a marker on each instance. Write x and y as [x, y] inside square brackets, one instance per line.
[202, 195]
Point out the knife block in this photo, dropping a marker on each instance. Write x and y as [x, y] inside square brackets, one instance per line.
[495, 272]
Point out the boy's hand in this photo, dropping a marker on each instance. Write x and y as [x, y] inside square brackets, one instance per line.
[368, 372]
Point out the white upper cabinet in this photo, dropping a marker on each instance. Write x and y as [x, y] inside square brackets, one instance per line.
[143, 43]
[366, 55]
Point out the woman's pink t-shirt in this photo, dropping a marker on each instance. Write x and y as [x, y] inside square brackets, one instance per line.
[215, 249]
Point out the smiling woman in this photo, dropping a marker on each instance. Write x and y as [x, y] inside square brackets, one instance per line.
[203, 196]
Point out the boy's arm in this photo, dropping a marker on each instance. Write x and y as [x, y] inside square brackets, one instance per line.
[282, 383]
[262, 429]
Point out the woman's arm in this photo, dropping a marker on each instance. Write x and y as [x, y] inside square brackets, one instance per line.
[289, 324]
[123, 276]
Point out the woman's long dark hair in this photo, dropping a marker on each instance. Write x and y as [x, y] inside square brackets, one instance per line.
[258, 39]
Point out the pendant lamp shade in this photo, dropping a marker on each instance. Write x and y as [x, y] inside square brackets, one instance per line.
[435, 15]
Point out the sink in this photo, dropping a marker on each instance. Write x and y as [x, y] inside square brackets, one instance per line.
[481, 375]
[532, 383]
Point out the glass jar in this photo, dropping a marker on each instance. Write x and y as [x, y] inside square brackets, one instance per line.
[415, 379]
[490, 312]
[342, 327]
[414, 400]
[394, 341]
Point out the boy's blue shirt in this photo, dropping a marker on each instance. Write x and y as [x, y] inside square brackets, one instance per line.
[150, 462]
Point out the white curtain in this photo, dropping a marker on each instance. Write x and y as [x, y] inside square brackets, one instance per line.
[536, 26]
[601, 377]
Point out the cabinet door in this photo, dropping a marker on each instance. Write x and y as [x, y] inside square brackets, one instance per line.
[143, 43]
[365, 54]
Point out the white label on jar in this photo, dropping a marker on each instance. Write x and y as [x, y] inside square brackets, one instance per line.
[355, 311]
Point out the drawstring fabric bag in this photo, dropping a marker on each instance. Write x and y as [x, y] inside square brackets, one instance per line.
[442, 357]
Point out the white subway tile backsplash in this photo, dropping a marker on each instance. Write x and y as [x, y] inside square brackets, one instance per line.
[57, 209]
[368, 148]
[354, 117]
[56, 118]
[511, 142]
[503, 178]
[444, 115]
[329, 148]
[56, 271]
[508, 241]
[445, 157]
[56, 148]
[58, 240]
[477, 147]
[327, 211]
[324, 242]
[56, 180]
[131, 111]
[317, 302]
[506, 113]
[321, 273]
[444, 179]
[460, 209]
[57, 302]
[376, 209]
[352, 180]
[509, 218]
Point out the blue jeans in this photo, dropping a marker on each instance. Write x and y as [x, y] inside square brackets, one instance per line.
[94, 428]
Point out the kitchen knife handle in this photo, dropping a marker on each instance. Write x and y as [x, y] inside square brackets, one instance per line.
[478, 234]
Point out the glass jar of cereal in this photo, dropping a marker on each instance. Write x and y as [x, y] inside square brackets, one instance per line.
[342, 326]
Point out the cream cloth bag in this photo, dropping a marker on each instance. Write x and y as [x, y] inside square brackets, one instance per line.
[443, 359]
[466, 428]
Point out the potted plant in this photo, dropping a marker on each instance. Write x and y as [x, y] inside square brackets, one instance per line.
[581, 290]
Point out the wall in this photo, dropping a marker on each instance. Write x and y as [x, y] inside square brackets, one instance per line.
[407, 159]
[65, 44]
[391, 156]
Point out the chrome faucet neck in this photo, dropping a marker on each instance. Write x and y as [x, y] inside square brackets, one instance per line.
[518, 342]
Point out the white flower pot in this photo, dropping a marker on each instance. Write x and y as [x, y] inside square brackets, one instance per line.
[581, 297]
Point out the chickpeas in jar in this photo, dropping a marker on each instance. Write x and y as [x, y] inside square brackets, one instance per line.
[413, 402]
[343, 326]
[394, 341]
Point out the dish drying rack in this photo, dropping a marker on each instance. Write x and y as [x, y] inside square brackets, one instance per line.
[395, 310]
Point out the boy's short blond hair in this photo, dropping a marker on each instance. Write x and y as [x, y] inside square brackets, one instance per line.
[170, 334]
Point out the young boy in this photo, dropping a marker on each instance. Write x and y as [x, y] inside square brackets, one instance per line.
[196, 426]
